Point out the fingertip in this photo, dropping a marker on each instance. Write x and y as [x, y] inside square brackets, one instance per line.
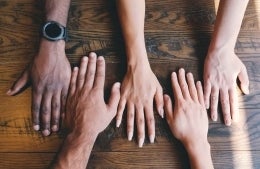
[130, 136]
[117, 85]
[245, 89]
[151, 138]
[228, 122]
[36, 127]
[140, 142]
[54, 128]
[173, 75]
[214, 117]
[118, 122]
[46, 132]
[92, 54]
[9, 92]
[101, 58]
[161, 113]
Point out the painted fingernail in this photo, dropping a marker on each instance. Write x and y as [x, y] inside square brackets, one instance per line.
[151, 137]
[54, 128]
[246, 90]
[36, 127]
[141, 142]
[118, 123]
[161, 112]
[130, 136]
[207, 106]
[46, 132]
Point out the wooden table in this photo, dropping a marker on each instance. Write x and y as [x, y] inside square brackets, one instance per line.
[177, 35]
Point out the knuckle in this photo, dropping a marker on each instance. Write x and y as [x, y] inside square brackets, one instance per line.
[140, 121]
[150, 121]
[55, 106]
[45, 110]
[130, 116]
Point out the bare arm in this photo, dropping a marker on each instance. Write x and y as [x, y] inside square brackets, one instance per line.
[140, 86]
[75, 151]
[222, 66]
[49, 74]
[188, 120]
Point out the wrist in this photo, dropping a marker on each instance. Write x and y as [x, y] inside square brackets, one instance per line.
[85, 136]
[197, 149]
[219, 45]
[51, 48]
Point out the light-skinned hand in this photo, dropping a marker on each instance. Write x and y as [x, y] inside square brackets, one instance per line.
[188, 120]
[86, 110]
[140, 88]
[221, 70]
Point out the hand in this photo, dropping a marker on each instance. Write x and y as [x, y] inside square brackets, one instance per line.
[221, 70]
[49, 74]
[188, 120]
[139, 88]
[86, 110]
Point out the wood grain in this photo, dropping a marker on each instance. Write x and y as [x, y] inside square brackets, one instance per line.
[177, 34]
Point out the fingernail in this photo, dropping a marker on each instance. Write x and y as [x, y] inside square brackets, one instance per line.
[36, 127]
[247, 91]
[46, 132]
[207, 106]
[151, 137]
[227, 122]
[161, 113]
[214, 118]
[92, 54]
[130, 135]
[54, 128]
[118, 123]
[8, 92]
[141, 142]
[117, 85]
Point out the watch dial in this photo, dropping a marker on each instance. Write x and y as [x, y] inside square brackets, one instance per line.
[53, 30]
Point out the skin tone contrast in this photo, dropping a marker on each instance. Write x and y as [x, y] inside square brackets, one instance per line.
[84, 122]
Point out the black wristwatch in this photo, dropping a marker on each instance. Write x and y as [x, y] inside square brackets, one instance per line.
[54, 31]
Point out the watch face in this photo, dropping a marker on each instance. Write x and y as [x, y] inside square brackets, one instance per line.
[53, 31]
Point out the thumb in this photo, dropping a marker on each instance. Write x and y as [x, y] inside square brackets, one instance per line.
[20, 83]
[114, 98]
[243, 77]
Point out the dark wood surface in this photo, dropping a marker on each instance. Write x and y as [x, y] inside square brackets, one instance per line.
[177, 35]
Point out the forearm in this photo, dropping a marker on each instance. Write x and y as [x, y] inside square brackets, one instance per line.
[200, 156]
[75, 152]
[56, 10]
[131, 15]
[228, 22]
